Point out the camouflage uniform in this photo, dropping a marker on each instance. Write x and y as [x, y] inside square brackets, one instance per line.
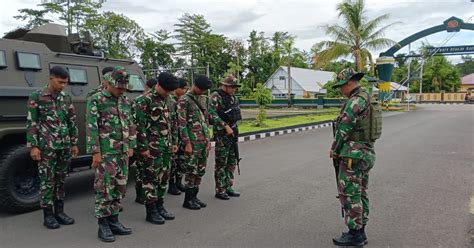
[225, 157]
[194, 128]
[355, 159]
[154, 133]
[111, 133]
[178, 160]
[51, 127]
[139, 163]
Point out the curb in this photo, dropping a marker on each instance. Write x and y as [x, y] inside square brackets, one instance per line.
[281, 131]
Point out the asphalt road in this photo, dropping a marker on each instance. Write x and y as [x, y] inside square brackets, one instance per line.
[420, 191]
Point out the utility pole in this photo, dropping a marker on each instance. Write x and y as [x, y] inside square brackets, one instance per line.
[289, 81]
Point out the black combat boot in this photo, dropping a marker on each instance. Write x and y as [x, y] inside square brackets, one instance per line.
[351, 238]
[140, 195]
[162, 211]
[222, 196]
[196, 200]
[173, 189]
[116, 227]
[364, 236]
[231, 193]
[49, 221]
[179, 184]
[105, 234]
[59, 214]
[189, 200]
[152, 215]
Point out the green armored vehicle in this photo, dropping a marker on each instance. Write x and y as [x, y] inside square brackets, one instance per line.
[25, 59]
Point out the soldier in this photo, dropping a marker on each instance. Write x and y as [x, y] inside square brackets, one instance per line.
[101, 85]
[111, 140]
[140, 195]
[353, 151]
[226, 105]
[178, 163]
[156, 144]
[193, 121]
[52, 136]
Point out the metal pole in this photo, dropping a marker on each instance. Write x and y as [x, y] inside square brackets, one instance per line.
[289, 81]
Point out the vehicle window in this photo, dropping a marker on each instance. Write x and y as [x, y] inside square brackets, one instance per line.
[136, 83]
[28, 61]
[3, 60]
[77, 76]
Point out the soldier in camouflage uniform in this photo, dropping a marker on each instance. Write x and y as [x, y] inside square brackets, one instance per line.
[111, 139]
[355, 157]
[193, 121]
[52, 137]
[101, 85]
[140, 195]
[156, 143]
[178, 161]
[226, 105]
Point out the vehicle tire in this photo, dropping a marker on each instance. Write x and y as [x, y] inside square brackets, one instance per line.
[19, 182]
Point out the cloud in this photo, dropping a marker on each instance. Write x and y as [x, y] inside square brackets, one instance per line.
[231, 21]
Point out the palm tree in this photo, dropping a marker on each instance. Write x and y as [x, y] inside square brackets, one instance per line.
[356, 37]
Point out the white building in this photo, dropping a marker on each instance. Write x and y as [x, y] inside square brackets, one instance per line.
[304, 82]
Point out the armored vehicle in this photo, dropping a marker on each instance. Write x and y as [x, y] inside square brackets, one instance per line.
[25, 59]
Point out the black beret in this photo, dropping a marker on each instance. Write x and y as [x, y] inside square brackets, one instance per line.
[167, 81]
[202, 82]
[151, 82]
[107, 69]
[182, 83]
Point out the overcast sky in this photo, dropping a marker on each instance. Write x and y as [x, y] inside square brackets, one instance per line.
[302, 18]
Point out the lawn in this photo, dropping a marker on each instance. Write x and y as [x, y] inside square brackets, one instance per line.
[248, 125]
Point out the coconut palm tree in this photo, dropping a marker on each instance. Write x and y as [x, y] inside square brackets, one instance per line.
[355, 37]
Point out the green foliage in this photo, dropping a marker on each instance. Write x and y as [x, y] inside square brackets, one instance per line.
[156, 51]
[332, 93]
[34, 17]
[115, 34]
[263, 97]
[439, 74]
[355, 38]
[467, 66]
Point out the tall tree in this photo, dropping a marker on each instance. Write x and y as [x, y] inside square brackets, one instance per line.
[156, 51]
[34, 17]
[115, 34]
[355, 37]
[467, 66]
[260, 59]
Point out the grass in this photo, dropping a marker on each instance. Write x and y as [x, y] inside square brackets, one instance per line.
[248, 126]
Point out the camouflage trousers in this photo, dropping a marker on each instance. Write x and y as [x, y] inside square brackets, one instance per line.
[353, 182]
[139, 172]
[52, 171]
[156, 174]
[110, 184]
[178, 167]
[196, 165]
[226, 162]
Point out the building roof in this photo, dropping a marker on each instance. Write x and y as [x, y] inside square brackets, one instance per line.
[468, 79]
[310, 80]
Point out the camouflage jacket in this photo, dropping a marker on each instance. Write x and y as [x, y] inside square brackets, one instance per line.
[193, 121]
[354, 110]
[110, 129]
[216, 103]
[51, 121]
[154, 120]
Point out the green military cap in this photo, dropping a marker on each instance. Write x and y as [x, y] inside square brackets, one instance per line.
[346, 75]
[118, 78]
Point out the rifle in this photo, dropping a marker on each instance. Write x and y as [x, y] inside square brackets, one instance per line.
[335, 163]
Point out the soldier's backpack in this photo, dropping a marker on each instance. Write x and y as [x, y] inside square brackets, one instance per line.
[374, 122]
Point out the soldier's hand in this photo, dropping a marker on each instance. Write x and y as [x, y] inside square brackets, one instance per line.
[145, 154]
[229, 131]
[74, 151]
[332, 155]
[96, 160]
[188, 149]
[35, 153]
[208, 146]
[174, 149]
[130, 153]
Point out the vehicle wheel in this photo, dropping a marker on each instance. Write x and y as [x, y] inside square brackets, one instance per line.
[19, 182]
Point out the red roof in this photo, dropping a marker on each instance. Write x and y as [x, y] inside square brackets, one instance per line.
[468, 79]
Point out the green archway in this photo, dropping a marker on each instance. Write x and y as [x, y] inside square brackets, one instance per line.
[386, 61]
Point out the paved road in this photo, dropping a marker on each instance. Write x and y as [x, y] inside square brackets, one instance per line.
[420, 190]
